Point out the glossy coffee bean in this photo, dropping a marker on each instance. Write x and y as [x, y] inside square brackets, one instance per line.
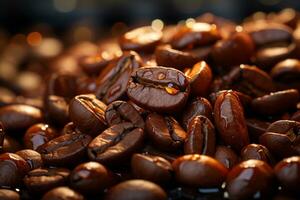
[151, 150]
[147, 84]
[66, 149]
[256, 152]
[11, 145]
[199, 171]
[165, 132]
[286, 71]
[230, 120]
[121, 111]
[69, 128]
[38, 134]
[62, 193]
[198, 106]
[152, 168]
[88, 114]
[276, 103]
[63, 85]
[141, 39]
[93, 64]
[201, 137]
[116, 143]
[6, 194]
[113, 79]
[200, 76]
[256, 128]
[12, 169]
[39, 181]
[287, 172]
[136, 190]
[226, 156]
[19, 117]
[91, 178]
[282, 138]
[249, 179]
[33, 158]
[57, 110]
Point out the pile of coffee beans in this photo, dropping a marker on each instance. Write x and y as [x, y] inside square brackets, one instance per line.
[205, 109]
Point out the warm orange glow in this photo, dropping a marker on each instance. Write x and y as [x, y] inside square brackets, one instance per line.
[34, 38]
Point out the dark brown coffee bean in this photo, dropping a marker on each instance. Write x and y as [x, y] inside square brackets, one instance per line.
[276, 103]
[245, 99]
[198, 106]
[91, 178]
[6, 194]
[286, 71]
[62, 193]
[196, 34]
[165, 132]
[87, 113]
[11, 145]
[201, 137]
[112, 81]
[230, 120]
[282, 138]
[151, 150]
[19, 117]
[200, 76]
[226, 156]
[257, 152]
[287, 172]
[121, 111]
[199, 171]
[256, 128]
[148, 84]
[136, 190]
[33, 158]
[116, 143]
[69, 128]
[93, 64]
[250, 179]
[39, 181]
[66, 149]
[152, 168]
[141, 39]
[57, 110]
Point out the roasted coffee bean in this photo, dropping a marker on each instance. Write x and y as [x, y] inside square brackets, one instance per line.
[93, 64]
[38, 134]
[256, 128]
[91, 178]
[19, 117]
[250, 179]
[201, 137]
[12, 169]
[62, 193]
[112, 81]
[6, 194]
[165, 132]
[200, 76]
[287, 172]
[257, 152]
[88, 114]
[57, 110]
[152, 168]
[151, 150]
[39, 181]
[66, 149]
[142, 39]
[244, 99]
[168, 57]
[235, 50]
[199, 171]
[136, 190]
[159, 89]
[230, 120]
[121, 111]
[2, 135]
[33, 158]
[282, 138]
[250, 80]
[196, 34]
[198, 106]
[116, 143]
[276, 103]
[286, 71]
[226, 156]
[11, 145]
[69, 128]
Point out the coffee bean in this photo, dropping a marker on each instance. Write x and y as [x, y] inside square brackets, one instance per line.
[165, 132]
[121, 111]
[136, 190]
[11, 145]
[57, 110]
[296, 116]
[226, 156]
[87, 113]
[6, 194]
[69, 128]
[158, 89]
[152, 168]
[286, 71]
[62, 193]
[33, 158]
[116, 143]
[201, 137]
[151, 150]
[256, 128]
[230, 120]
[199, 171]
[93, 64]
[66, 149]
[257, 152]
